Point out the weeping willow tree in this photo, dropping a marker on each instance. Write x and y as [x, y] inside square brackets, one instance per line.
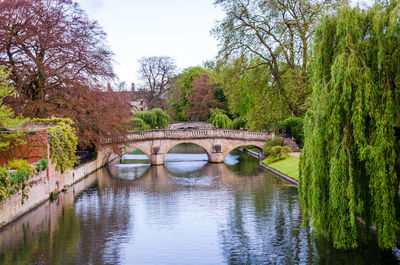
[350, 163]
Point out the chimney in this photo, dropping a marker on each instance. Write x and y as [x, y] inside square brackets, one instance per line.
[109, 87]
[133, 87]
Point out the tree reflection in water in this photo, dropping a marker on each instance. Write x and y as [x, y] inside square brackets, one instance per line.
[187, 212]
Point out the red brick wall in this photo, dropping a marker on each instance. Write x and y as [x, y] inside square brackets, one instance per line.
[36, 148]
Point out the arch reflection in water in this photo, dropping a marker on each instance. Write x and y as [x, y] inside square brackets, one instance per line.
[130, 166]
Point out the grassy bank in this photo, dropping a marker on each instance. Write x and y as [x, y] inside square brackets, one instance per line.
[289, 166]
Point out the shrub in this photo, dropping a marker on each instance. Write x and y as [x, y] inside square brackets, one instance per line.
[4, 184]
[63, 143]
[42, 164]
[215, 112]
[21, 165]
[151, 119]
[222, 121]
[23, 171]
[277, 141]
[162, 118]
[276, 153]
[139, 124]
[296, 128]
[239, 123]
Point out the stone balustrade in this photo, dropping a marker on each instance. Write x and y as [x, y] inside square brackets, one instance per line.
[217, 143]
[200, 134]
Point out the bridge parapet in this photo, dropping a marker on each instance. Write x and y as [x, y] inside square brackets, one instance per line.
[200, 134]
[217, 143]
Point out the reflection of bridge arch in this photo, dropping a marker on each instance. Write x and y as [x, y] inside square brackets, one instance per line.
[217, 143]
[175, 143]
[125, 149]
[258, 145]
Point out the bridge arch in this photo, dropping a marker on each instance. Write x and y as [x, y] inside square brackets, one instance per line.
[258, 145]
[175, 143]
[111, 155]
[217, 143]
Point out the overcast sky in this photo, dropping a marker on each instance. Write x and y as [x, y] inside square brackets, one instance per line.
[137, 28]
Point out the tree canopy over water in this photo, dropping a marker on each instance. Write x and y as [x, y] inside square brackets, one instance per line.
[350, 162]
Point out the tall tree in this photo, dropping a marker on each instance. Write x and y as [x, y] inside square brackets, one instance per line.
[59, 61]
[276, 32]
[178, 96]
[350, 162]
[202, 98]
[7, 118]
[250, 96]
[156, 72]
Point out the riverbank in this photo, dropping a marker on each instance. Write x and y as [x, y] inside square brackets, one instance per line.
[288, 166]
[287, 171]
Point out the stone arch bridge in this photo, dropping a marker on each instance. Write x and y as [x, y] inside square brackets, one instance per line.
[217, 143]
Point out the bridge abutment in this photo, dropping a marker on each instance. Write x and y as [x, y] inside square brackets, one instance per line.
[157, 159]
[216, 157]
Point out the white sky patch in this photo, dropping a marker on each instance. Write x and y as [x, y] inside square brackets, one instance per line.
[91, 6]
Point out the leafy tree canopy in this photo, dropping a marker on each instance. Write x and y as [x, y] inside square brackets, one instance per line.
[7, 118]
[59, 62]
[250, 96]
[179, 95]
[350, 162]
[201, 97]
[147, 120]
[277, 33]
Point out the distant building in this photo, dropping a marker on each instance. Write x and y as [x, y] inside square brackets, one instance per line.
[138, 100]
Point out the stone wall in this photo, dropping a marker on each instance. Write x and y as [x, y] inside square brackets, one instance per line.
[39, 189]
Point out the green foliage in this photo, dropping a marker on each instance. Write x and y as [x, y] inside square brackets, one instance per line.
[222, 121]
[4, 183]
[147, 117]
[23, 165]
[247, 87]
[139, 125]
[296, 127]
[162, 118]
[215, 112]
[42, 164]
[239, 123]
[269, 149]
[7, 118]
[277, 141]
[18, 178]
[53, 121]
[15, 180]
[348, 165]
[276, 153]
[63, 143]
[289, 166]
[179, 95]
[147, 120]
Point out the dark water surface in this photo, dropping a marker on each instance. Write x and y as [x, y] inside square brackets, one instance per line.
[185, 212]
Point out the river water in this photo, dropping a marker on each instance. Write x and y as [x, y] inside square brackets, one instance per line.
[185, 212]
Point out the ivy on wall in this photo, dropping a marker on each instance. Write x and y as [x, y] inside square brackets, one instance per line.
[63, 142]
